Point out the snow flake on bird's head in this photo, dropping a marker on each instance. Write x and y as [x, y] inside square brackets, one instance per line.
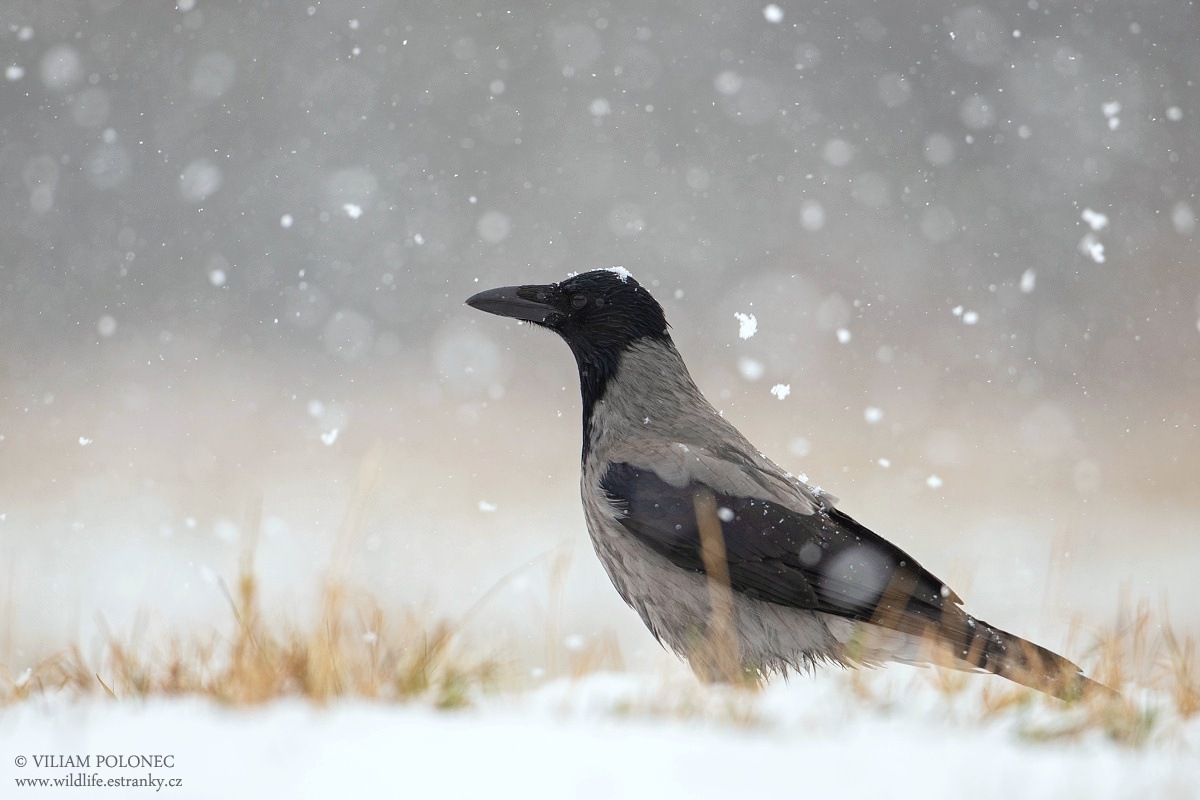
[621, 273]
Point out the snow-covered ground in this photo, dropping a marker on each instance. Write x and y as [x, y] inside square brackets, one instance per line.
[603, 736]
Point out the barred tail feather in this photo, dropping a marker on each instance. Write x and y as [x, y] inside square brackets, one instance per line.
[985, 647]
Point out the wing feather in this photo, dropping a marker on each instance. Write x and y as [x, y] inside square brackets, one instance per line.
[821, 560]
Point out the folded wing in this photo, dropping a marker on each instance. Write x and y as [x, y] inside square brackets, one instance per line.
[823, 560]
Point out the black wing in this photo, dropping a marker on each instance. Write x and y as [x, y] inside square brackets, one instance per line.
[823, 561]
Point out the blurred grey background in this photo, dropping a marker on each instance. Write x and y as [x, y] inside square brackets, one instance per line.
[235, 238]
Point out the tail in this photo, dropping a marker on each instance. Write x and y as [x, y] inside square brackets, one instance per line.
[977, 645]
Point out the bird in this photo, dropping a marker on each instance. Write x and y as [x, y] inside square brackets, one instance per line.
[741, 568]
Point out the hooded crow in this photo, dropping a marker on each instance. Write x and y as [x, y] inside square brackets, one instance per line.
[731, 562]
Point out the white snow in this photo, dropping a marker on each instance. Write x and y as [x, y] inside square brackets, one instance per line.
[602, 736]
[14, 72]
[872, 415]
[84, 441]
[1174, 113]
[747, 324]
[843, 335]
[1095, 220]
[486, 507]
[970, 317]
[286, 221]
[884, 462]
[773, 14]
[330, 436]
[353, 210]
[933, 482]
[620, 272]
[781, 390]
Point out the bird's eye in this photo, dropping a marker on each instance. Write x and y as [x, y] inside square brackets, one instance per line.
[578, 301]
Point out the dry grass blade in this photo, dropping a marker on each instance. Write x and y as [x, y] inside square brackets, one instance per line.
[716, 657]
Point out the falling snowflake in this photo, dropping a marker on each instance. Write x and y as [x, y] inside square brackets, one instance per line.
[747, 324]
[1095, 220]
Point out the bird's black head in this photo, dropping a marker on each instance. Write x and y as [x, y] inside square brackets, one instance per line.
[600, 314]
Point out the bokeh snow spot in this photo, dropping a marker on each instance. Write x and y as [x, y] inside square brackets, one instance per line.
[212, 75]
[348, 335]
[199, 180]
[493, 227]
[812, 215]
[1092, 247]
[61, 67]
[751, 369]
[1028, 280]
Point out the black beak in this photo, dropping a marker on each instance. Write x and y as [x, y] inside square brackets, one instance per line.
[518, 302]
